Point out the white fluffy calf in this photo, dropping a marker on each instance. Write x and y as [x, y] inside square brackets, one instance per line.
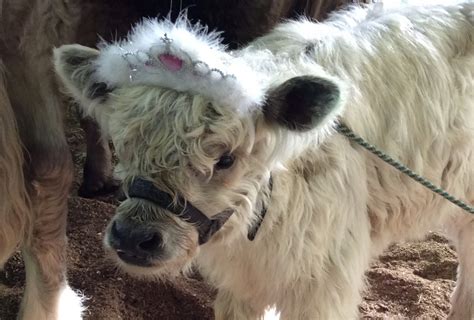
[217, 148]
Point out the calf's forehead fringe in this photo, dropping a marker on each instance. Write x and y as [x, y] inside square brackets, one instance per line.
[162, 128]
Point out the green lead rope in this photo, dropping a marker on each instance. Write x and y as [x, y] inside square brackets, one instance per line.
[343, 129]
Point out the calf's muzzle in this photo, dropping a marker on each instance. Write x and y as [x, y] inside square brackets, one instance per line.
[135, 244]
[206, 227]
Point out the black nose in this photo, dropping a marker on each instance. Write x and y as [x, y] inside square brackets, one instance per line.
[135, 244]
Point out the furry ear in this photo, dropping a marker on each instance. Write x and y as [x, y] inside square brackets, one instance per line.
[303, 103]
[75, 66]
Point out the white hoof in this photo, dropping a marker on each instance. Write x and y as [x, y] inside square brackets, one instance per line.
[70, 305]
[271, 314]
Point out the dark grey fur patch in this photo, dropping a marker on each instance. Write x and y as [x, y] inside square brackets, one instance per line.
[99, 90]
[76, 60]
[301, 103]
[309, 49]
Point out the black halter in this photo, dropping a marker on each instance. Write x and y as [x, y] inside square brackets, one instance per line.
[144, 189]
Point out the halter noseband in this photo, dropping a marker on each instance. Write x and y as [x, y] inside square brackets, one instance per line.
[206, 227]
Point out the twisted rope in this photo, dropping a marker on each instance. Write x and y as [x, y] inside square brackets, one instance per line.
[343, 129]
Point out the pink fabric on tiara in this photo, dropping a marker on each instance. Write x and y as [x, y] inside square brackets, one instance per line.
[171, 62]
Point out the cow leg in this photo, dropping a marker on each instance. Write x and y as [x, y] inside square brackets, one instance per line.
[228, 307]
[48, 173]
[47, 164]
[15, 213]
[461, 231]
[98, 173]
[47, 295]
[329, 299]
[333, 291]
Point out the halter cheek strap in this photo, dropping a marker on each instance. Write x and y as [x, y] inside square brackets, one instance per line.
[206, 227]
[144, 189]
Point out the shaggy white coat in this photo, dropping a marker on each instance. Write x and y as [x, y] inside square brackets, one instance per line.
[410, 74]
[408, 79]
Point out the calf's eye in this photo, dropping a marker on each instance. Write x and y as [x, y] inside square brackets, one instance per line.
[225, 161]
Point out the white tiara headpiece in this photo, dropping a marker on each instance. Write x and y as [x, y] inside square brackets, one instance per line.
[181, 57]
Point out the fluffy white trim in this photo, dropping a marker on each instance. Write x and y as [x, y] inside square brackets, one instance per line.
[127, 63]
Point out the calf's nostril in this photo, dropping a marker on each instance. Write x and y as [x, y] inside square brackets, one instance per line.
[134, 240]
[152, 243]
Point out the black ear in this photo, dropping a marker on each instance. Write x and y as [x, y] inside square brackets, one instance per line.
[302, 103]
[75, 67]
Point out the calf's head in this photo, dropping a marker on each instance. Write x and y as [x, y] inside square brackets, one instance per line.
[197, 132]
